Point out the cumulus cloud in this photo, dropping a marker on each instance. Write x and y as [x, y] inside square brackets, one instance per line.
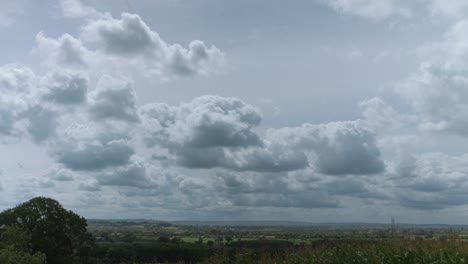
[64, 88]
[113, 99]
[64, 51]
[214, 132]
[135, 174]
[335, 148]
[86, 148]
[131, 38]
[205, 122]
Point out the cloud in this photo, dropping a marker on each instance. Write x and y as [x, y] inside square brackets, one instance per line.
[383, 9]
[214, 132]
[41, 122]
[455, 8]
[296, 200]
[437, 91]
[90, 185]
[131, 38]
[63, 88]
[135, 174]
[16, 80]
[205, 122]
[87, 148]
[76, 9]
[65, 51]
[5, 20]
[336, 148]
[113, 99]
[430, 181]
[272, 190]
[371, 9]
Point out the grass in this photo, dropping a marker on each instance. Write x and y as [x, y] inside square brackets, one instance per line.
[357, 251]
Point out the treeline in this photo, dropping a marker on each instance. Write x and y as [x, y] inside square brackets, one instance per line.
[41, 231]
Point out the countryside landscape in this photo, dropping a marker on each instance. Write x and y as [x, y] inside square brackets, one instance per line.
[233, 131]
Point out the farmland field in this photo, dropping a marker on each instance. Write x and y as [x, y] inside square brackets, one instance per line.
[161, 242]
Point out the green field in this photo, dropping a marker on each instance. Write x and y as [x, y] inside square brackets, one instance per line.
[154, 242]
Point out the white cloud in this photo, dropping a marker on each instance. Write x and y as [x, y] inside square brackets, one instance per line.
[382, 9]
[65, 51]
[437, 91]
[131, 38]
[76, 9]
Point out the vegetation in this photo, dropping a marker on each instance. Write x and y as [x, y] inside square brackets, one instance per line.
[15, 248]
[155, 242]
[58, 233]
[41, 231]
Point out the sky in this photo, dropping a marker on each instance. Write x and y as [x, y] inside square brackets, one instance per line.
[304, 110]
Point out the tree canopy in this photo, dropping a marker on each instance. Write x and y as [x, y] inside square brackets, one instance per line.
[55, 231]
[15, 247]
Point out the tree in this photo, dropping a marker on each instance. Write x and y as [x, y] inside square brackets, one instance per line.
[15, 247]
[58, 233]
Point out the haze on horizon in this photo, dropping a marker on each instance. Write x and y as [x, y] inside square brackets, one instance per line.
[306, 110]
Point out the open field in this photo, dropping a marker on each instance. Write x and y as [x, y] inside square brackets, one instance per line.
[155, 242]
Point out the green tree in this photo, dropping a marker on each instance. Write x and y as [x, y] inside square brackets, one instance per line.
[15, 247]
[58, 233]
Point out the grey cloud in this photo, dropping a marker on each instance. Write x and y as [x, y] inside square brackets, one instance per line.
[113, 99]
[241, 159]
[91, 147]
[354, 188]
[91, 185]
[76, 9]
[337, 148]
[438, 96]
[42, 122]
[214, 132]
[91, 156]
[371, 9]
[135, 174]
[431, 181]
[265, 159]
[297, 200]
[64, 51]
[15, 79]
[8, 116]
[130, 37]
[383, 117]
[207, 121]
[424, 201]
[272, 190]
[64, 88]
[58, 173]
[383, 9]
[437, 90]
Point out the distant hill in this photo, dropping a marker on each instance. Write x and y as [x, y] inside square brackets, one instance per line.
[274, 223]
[137, 220]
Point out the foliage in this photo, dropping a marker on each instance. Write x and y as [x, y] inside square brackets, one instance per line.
[58, 233]
[15, 248]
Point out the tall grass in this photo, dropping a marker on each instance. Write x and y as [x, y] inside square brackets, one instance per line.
[391, 251]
